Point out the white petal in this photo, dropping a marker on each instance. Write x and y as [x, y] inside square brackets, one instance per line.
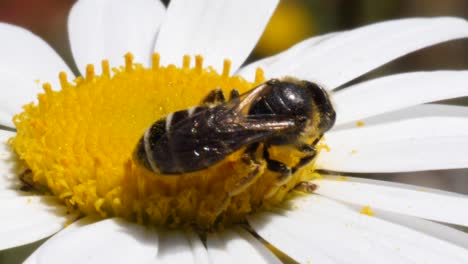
[10, 185]
[27, 61]
[199, 252]
[322, 239]
[427, 143]
[344, 234]
[413, 112]
[348, 55]
[8, 175]
[217, 30]
[176, 246]
[27, 219]
[24, 53]
[107, 241]
[33, 258]
[398, 91]
[423, 203]
[301, 48]
[301, 250]
[107, 29]
[16, 92]
[238, 246]
[434, 229]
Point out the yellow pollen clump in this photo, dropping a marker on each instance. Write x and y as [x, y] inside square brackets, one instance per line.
[367, 211]
[78, 143]
[342, 178]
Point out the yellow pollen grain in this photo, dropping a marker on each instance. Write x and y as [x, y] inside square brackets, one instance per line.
[186, 62]
[105, 68]
[325, 147]
[155, 59]
[360, 123]
[259, 75]
[367, 211]
[128, 62]
[354, 151]
[63, 79]
[67, 223]
[198, 63]
[342, 178]
[316, 175]
[226, 68]
[89, 72]
[78, 143]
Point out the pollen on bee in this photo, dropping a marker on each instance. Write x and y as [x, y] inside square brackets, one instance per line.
[155, 59]
[226, 68]
[105, 68]
[89, 72]
[186, 62]
[128, 62]
[199, 63]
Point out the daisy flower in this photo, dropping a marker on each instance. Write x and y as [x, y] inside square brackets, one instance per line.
[66, 158]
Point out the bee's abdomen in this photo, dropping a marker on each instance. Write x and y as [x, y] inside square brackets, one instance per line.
[163, 149]
[144, 150]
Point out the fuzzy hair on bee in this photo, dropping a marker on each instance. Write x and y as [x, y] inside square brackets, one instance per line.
[284, 111]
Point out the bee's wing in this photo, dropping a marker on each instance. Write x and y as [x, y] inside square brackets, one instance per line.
[271, 123]
[197, 143]
[245, 100]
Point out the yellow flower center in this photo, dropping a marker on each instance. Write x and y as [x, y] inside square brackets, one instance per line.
[78, 143]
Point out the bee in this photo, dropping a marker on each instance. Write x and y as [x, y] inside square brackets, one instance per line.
[278, 112]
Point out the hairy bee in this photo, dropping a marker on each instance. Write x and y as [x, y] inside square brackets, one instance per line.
[283, 111]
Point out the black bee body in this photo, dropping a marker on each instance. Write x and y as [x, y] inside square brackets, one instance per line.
[277, 112]
[299, 100]
[187, 141]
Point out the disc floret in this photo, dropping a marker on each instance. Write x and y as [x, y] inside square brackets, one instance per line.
[78, 143]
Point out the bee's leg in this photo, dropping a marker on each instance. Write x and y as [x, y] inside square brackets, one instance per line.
[306, 187]
[309, 152]
[26, 179]
[214, 97]
[254, 169]
[234, 95]
[240, 186]
[247, 180]
[276, 166]
[244, 182]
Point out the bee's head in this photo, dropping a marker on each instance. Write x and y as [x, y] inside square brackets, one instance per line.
[307, 102]
[323, 108]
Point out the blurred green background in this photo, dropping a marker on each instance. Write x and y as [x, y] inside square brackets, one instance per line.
[48, 19]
